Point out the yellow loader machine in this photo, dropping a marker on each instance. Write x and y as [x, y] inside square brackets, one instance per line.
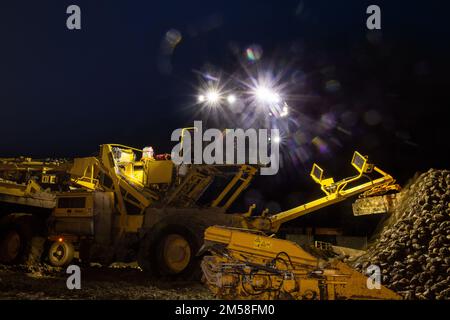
[125, 204]
[250, 263]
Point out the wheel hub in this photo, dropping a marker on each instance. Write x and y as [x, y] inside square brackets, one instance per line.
[59, 252]
[176, 253]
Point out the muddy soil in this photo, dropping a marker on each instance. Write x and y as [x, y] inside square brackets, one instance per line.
[45, 282]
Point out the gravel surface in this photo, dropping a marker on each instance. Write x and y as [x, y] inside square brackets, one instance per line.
[46, 282]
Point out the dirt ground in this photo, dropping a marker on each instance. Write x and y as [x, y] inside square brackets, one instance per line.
[45, 282]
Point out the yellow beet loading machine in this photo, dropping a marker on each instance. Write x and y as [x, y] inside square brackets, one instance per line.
[248, 262]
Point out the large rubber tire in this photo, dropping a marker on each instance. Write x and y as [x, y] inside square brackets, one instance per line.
[15, 239]
[10, 246]
[61, 254]
[166, 247]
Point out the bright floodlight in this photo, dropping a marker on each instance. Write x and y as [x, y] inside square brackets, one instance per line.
[201, 98]
[231, 99]
[212, 96]
[277, 139]
[267, 95]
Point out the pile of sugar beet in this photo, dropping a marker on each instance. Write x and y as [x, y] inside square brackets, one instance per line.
[412, 248]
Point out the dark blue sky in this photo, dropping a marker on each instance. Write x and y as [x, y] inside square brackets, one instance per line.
[64, 92]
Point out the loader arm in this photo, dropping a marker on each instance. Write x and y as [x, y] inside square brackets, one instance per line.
[285, 216]
[335, 192]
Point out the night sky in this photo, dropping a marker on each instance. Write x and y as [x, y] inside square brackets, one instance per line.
[385, 93]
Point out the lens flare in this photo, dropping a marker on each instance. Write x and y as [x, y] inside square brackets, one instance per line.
[285, 111]
[267, 95]
[212, 97]
[253, 53]
[231, 98]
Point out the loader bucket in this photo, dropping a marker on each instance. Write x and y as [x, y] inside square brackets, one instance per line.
[375, 205]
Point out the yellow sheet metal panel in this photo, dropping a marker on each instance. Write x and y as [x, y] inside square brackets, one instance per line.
[12, 189]
[134, 222]
[125, 155]
[159, 171]
[356, 286]
[218, 234]
[82, 166]
[258, 244]
[75, 204]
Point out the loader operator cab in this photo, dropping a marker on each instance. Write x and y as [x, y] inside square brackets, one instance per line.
[149, 170]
